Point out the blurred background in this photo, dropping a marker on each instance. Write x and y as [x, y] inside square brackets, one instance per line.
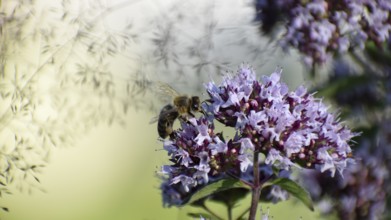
[77, 93]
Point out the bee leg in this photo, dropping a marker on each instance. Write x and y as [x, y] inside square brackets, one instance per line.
[183, 118]
[173, 135]
[192, 115]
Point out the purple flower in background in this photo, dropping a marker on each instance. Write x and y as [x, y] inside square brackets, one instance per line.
[321, 28]
[363, 191]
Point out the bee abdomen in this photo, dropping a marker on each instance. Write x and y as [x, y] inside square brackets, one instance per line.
[167, 116]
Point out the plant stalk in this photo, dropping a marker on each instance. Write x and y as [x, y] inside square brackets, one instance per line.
[256, 188]
[229, 209]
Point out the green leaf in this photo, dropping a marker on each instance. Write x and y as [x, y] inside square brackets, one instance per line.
[380, 56]
[344, 91]
[294, 189]
[230, 197]
[336, 86]
[215, 187]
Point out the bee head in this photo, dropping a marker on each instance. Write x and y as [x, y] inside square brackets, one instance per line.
[195, 103]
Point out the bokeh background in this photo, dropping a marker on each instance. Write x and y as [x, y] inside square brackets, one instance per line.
[78, 91]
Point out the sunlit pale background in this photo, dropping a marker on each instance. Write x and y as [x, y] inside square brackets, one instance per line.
[108, 172]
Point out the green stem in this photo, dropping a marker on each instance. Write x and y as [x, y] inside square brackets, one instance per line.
[313, 71]
[211, 212]
[256, 189]
[229, 209]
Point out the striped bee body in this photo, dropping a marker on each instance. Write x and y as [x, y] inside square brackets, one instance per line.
[165, 123]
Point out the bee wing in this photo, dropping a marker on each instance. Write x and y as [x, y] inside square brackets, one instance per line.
[166, 91]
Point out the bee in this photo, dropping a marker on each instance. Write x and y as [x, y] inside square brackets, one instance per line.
[182, 107]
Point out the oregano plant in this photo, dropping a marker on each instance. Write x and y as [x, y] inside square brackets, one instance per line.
[275, 130]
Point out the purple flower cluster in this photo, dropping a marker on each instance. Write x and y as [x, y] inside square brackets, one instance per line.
[199, 155]
[290, 128]
[322, 27]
